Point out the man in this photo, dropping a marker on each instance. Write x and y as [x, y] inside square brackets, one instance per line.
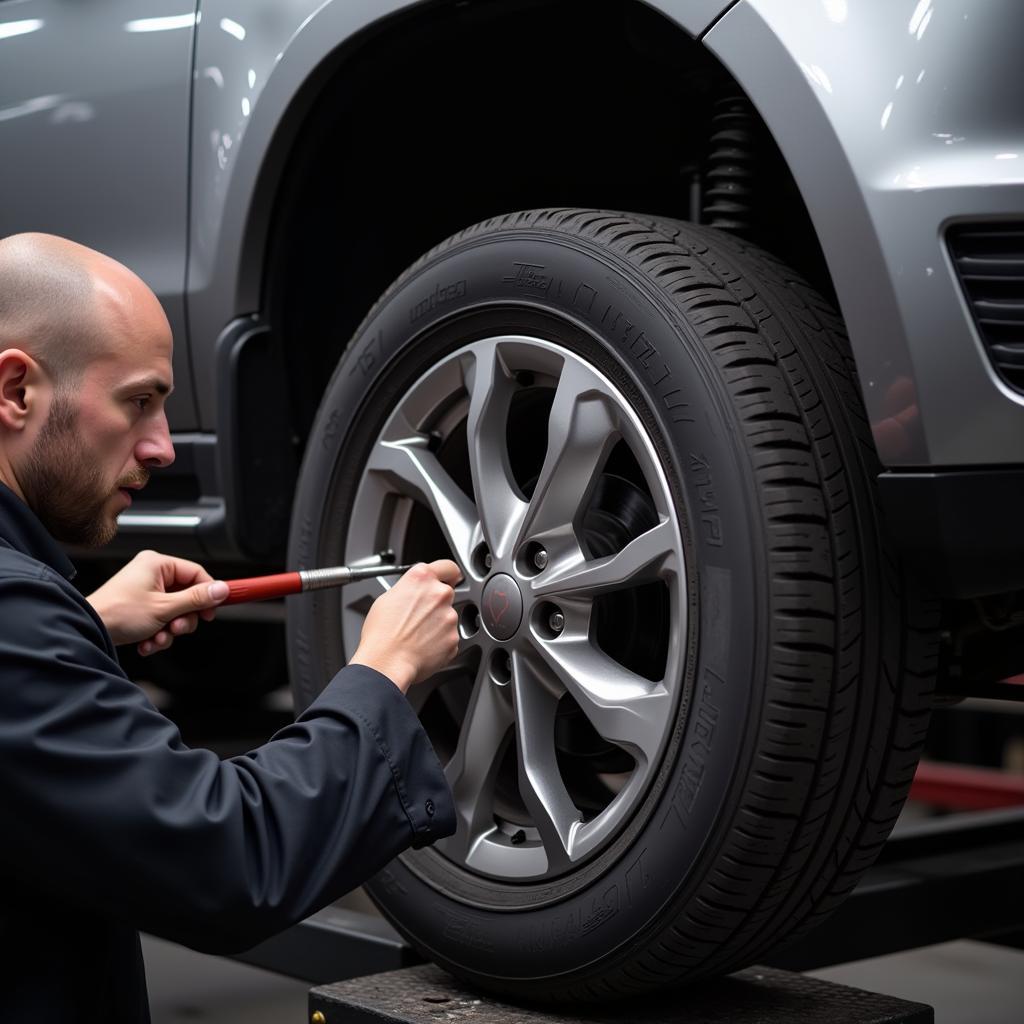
[108, 823]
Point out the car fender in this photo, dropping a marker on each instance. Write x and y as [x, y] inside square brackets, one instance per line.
[255, 68]
[896, 119]
[253, 64]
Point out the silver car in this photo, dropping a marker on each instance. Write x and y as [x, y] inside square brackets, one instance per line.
[692, 329]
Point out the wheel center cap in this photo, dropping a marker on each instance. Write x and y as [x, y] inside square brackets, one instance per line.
[502, 610]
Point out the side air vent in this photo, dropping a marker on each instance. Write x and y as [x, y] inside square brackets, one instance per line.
[989, 259]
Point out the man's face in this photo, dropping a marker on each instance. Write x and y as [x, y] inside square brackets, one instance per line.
[103, 435]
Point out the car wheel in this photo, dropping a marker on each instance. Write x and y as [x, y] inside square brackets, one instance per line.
[692, 686]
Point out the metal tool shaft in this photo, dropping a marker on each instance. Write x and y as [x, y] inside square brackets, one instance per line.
[339, 575]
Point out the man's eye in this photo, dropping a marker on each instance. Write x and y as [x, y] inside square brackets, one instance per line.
[141, 401]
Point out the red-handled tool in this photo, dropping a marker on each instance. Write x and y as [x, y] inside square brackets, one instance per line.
[260, 588]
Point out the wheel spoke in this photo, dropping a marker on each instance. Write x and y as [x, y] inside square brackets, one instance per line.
[644, 559]
[498, 501]
[536, 821]
[582, 429]
[414, 470]
[473, 768]
[540, 781]
[625, 708]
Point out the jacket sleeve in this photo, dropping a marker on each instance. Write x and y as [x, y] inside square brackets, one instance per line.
[103, 805]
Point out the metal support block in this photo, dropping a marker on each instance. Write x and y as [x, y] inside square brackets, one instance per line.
[331, 945]
[759, 995]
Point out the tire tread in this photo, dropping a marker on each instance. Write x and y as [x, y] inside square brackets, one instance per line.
[833, 763]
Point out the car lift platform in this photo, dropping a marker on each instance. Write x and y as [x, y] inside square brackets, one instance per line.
[758, 995]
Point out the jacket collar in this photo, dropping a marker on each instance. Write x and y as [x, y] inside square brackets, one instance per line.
[21, 528]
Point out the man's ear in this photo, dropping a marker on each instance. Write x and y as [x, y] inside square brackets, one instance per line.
[20, 374]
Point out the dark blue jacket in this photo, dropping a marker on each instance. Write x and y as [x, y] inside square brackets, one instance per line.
[110, 824]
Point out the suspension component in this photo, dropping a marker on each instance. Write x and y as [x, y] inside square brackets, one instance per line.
[728, 197]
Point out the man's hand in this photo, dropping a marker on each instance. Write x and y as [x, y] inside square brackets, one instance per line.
[412, 631]
[155, 598]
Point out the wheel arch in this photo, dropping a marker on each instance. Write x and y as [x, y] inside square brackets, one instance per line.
[252, 216]
[246, 127]
[253, 85]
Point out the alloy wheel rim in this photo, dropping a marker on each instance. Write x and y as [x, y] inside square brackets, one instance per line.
[532, 591]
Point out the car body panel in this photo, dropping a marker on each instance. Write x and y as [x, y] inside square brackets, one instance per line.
[895, 120]
[251, 63]
[98, 93]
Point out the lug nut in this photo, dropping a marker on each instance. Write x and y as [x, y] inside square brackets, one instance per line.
[540, 558]
[556, 622]
[481, 560]
[469, 621]
[501, 668]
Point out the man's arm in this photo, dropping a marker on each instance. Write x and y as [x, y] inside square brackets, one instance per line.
[107, 808]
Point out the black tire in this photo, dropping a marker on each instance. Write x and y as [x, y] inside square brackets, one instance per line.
[811, 661]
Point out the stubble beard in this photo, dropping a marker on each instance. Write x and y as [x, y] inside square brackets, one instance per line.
[64, 486]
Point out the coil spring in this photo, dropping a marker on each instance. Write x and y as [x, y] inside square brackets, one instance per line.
[729, 193]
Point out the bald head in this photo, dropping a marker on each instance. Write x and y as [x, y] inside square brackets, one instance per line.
[64, 304]
[85, 369]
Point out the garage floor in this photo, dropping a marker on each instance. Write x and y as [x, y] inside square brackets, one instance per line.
[966, 982]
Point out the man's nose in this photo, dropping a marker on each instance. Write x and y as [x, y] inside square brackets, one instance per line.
[155, 449]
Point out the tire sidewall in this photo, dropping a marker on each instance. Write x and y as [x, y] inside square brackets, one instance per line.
[655, 356]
